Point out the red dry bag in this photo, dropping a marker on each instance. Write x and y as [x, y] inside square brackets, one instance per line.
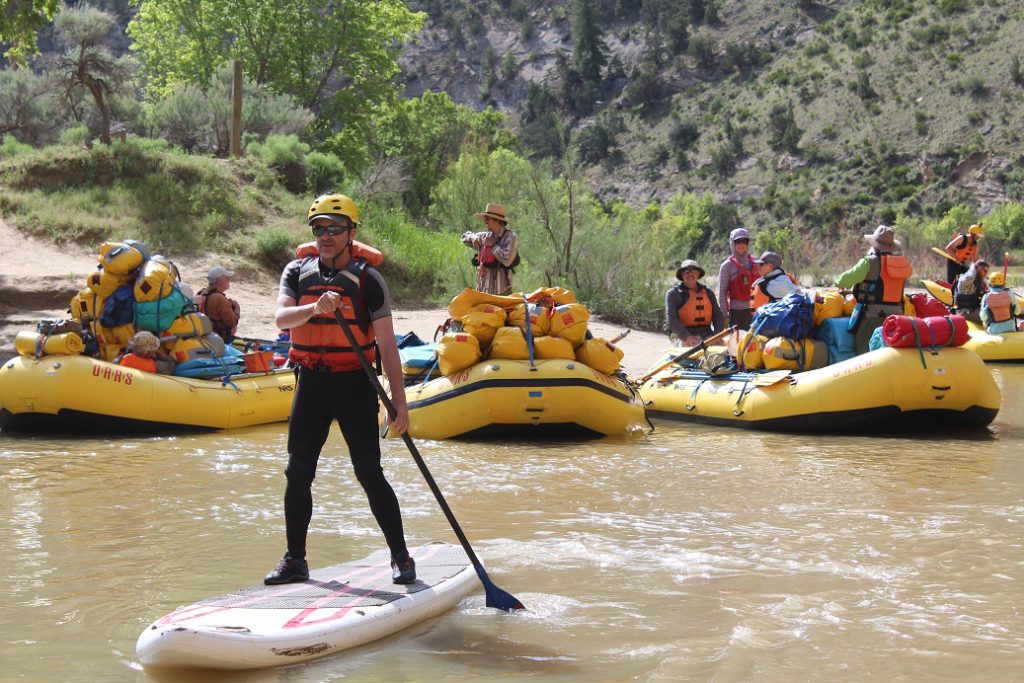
[927, 306]
[901, 331]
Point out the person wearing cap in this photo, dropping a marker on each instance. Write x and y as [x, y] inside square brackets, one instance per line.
[970, 288]
[999, 306]
[963, 250]
[774, 283]
[497, 251]
[212, 301]
[736, 276]
[332, 384]
[691, 309]
[877, 281]
[144, 353]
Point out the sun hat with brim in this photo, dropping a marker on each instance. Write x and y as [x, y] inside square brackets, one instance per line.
[492, 211]
[883, 239]
[689, 264]
[144, 342]
[769, 257]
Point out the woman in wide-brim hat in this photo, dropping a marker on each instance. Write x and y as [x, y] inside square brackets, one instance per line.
[497, 251]
[691, 309]
[877, 281]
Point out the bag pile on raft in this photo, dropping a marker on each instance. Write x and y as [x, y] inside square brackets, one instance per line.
[132, 291]
[502, 327]
[794, 334]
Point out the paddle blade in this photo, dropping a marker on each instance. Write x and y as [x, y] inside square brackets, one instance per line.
[498, 598]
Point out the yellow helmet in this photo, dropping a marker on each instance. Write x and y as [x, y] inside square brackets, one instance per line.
[333, 206]
[976, 230]
[997, 279]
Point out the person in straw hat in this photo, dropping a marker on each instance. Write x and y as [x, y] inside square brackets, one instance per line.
[497, 251]
[692, 312]
[144, 353]
[877, 282]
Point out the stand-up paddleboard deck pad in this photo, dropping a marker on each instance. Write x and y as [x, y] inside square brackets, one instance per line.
[337, 608]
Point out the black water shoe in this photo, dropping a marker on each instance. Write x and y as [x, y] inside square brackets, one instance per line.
[289, 570]
[403, 569]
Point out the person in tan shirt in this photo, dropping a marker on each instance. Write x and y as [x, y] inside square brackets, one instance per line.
[222, 311]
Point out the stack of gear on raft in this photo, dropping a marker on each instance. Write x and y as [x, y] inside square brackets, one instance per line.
[502, 327]
[799, 332]
[132, 291]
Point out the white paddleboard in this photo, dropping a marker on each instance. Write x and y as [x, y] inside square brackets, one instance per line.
[337, 608]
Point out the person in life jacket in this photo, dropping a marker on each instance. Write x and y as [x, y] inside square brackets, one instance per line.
[774, 282]
[144, 353]
[877, 281]
[332, 385]
[497, 251]
[736, 276]
[970, 288]
[222, 311]
[964, 250]
[691, 309]
[999, 306]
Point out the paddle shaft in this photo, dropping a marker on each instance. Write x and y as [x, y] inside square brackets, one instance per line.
[390, 407]
[689, 352]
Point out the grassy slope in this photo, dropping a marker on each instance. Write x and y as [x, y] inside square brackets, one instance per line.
[916, 113]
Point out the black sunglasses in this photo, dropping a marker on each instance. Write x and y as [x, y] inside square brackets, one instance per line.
[333, 230]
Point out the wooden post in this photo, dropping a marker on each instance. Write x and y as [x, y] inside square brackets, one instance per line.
[236, 110]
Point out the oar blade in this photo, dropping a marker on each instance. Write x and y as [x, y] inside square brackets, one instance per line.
[496, 597]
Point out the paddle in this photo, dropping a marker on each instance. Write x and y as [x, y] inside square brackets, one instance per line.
[943, 252]
[495, 596]
[687, 353]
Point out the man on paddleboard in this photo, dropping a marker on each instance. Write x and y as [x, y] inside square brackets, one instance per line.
[331, 382]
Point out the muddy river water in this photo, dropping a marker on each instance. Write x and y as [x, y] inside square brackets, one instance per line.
[688, 553]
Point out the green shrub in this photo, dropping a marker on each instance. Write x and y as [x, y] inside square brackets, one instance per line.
[323, 171]
[275, 245]
[11, 148]
[75, 135]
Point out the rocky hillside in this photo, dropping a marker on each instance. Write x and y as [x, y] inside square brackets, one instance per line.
[818, 114]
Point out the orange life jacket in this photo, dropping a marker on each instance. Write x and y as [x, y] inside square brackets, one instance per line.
[742, 280]
[967, 249]
[885, 280]
[1000, 304]
[759, 295]
[138, 362]
[320, 341]
[696, 308]
[359, 250]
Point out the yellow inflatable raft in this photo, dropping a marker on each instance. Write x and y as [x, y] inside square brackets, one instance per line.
[993, 348]
[79, 393]
[888, 389]
[508, 398]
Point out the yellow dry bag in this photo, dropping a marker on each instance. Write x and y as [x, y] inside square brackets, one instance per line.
[570, 322]
[65, 344]
[600, 354]
[457, 351]
[509, 343]
[553, 347]
[482, 321]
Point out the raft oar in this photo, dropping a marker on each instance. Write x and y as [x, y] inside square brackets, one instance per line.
[943, 252]
[495, 596]
[687, 353]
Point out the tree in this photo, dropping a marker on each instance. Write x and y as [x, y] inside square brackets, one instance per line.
[784, 133]
[590, 53]
[88, 62]
[19, 22]
[336, 57]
